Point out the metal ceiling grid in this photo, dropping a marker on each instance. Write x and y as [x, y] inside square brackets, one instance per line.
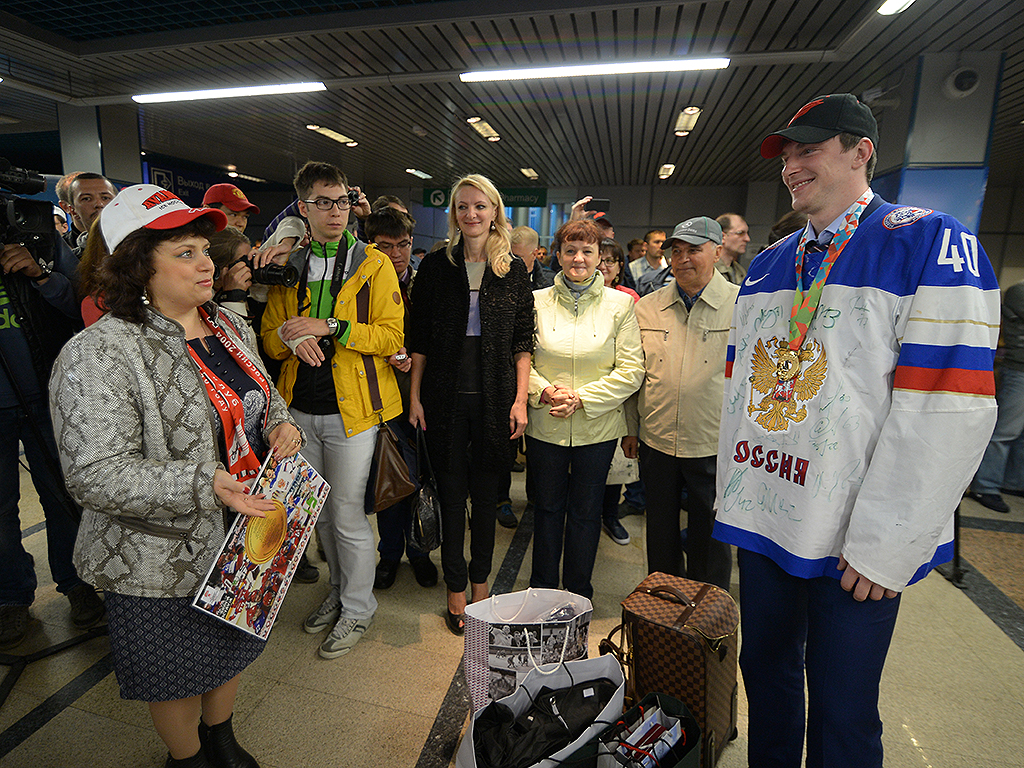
[598, 131]
[87, 20]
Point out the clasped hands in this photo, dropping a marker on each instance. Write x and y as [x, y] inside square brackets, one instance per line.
[564, 401]
[312, 328]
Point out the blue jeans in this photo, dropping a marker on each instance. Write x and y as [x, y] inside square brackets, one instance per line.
[1003, 463]
[567, 511]
[792, 626]
[17, 574]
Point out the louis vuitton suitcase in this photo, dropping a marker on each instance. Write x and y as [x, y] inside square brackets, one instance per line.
[679, 638]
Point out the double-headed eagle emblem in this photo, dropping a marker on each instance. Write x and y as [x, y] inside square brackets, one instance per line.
[782, 383]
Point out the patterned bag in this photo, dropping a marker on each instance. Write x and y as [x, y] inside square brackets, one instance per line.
[680, 639]
[509, 635]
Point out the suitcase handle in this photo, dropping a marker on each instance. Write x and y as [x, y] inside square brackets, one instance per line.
[690, 605]
[624, 657]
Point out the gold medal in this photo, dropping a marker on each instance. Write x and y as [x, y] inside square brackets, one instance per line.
[265, 535]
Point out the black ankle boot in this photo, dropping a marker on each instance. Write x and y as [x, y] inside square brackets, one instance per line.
[198, 760]
[221, 749]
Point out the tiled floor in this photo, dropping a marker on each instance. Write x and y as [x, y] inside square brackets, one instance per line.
[952, 693]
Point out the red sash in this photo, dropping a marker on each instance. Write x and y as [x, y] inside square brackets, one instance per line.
[243, 463]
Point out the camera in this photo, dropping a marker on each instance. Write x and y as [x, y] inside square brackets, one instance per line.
[28, 222]
[353, 197]
[275, 274]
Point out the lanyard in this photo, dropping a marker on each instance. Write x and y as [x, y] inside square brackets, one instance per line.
[805, 303]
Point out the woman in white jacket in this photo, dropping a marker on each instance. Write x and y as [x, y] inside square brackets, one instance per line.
[587, 360]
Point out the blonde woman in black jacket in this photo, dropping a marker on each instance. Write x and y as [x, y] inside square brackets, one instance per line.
[471, 339]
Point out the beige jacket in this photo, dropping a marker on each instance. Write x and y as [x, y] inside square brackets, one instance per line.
[593, 348]
[679, 405]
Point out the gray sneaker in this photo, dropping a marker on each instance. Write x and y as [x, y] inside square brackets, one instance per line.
[343, 637]
[324, 616]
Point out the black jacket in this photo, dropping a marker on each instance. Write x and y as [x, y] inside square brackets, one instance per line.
[440, 313]
[46, 315]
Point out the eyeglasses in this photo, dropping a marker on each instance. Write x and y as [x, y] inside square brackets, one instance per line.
[325, 203]
[609, 260]
[389, 247]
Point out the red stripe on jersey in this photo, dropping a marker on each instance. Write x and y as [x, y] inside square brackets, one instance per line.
[956, 380]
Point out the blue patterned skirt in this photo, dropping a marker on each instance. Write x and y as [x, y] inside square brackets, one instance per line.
[164, 649]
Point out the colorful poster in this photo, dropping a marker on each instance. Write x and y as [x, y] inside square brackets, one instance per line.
[250, 576]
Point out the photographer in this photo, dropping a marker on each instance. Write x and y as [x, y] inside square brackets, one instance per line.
[38, 313]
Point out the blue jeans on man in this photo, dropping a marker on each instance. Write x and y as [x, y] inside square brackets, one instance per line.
[1002, 466]
[794, 628]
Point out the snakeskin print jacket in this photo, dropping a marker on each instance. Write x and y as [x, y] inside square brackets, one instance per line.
[138, 447]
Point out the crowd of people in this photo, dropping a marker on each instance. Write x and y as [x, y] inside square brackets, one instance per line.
[190, 374]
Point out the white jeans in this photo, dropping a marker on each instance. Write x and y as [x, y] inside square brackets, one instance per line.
[344, 530]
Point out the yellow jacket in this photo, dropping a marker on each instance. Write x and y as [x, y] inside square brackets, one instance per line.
[380, 338]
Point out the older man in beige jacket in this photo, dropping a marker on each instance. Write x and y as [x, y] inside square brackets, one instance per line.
[673, 420]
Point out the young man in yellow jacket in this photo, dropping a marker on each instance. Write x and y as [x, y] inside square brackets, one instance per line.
[334, 332]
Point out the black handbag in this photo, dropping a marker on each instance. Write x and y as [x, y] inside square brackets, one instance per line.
[425, 522]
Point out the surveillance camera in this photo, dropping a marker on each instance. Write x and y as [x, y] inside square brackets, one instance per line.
[961, 83]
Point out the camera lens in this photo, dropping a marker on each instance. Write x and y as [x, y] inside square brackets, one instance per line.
[276, 274]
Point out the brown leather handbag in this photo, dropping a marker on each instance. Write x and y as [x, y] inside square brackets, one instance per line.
[391, 484]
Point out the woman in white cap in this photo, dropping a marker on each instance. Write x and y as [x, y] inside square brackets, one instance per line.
[162, 411]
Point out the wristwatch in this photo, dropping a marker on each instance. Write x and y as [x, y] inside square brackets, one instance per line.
[332, 326]
[46, 269]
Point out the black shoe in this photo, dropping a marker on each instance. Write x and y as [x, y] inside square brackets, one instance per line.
[424, 570]
[306, 573]
[615, 529]
[992, 501]
[506, 517]
[626, 509]
[455, 622]
[222, 751]
[198, 760]
[384, 576]
[86, 606]
[1011, 492]
[14, 621]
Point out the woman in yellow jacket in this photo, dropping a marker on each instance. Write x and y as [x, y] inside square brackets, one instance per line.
[587, 360]
[338, 385]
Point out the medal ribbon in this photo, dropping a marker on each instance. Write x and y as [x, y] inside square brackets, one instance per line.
[805, 303]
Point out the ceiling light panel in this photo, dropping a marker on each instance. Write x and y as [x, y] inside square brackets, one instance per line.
[585, 70]
[227, 93]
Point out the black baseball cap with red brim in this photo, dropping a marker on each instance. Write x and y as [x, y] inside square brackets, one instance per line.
[822, 118]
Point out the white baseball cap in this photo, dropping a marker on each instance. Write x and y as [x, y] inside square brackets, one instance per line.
[151, 207]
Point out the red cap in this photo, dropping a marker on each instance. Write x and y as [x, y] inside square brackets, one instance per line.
[229, 195]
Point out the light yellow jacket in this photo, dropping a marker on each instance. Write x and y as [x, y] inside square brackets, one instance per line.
[680, 402]
[593, 348]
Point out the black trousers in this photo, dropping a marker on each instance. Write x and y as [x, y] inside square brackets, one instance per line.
[466, 478]
[707, 560]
